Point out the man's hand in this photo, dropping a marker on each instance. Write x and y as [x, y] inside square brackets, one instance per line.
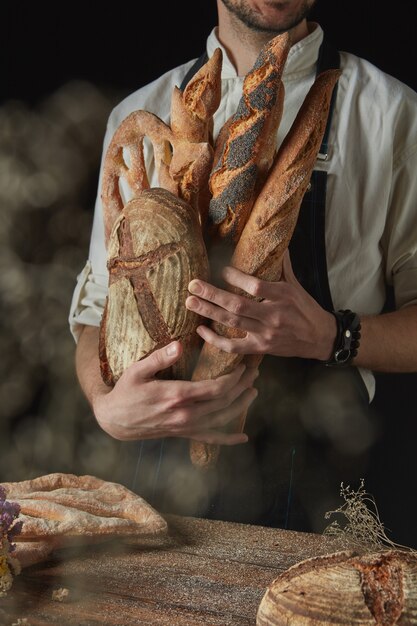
[141, 406]
[286, 321]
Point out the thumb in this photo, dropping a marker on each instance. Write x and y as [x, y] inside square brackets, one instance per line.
[287, 271]
[159, 360]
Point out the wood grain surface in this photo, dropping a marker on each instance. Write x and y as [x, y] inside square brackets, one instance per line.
[203, 572]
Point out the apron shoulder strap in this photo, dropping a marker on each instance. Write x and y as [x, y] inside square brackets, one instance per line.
[328, 59]
[193, 70]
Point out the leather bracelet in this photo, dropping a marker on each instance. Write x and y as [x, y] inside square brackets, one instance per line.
[347, 340]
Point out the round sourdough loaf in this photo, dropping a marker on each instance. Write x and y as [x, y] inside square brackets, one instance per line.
[344, 588]
[156, 247]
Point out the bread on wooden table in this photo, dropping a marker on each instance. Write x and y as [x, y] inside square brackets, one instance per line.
[59, 509]
[344, 588]
[269, 228]
[66, 504]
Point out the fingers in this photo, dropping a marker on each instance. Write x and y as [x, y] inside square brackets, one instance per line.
[157, 361]
[236, 319]
[220, 419]
[235, 346]
[250, 284]
[209, 431]
[226, 400]
[200, 391]
[218, 438]
[236, 305]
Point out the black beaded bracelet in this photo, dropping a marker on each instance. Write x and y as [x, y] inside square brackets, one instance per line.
[347, 340]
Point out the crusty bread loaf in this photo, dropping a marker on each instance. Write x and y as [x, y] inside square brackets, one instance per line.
[270, 226]
[128, 138]
[57, 505]
[251, 142]
[344, 588]
[61, 510]
[155, 249]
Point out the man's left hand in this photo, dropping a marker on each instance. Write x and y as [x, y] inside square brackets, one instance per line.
[284, 320]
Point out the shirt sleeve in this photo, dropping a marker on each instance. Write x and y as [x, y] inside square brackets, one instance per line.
[90, 291]
[400, 236]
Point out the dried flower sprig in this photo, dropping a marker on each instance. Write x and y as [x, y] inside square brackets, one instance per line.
[362, 526]
[9, 529]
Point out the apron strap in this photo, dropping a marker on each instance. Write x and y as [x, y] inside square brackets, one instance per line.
[308, 244]
[193, 70]
[329, 58]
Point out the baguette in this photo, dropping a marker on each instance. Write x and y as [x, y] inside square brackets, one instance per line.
[251, 142]
[268, 231]
[192, 110]
[192, 123]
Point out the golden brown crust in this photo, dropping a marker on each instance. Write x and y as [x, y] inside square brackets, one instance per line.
[272, 221]
[250, 145]
[270, 226]
[183, 153]
[192, 110]
[129, 137]
[31, 552]
[155, 249]
[344, 588]
[66, 505]
[191, 121]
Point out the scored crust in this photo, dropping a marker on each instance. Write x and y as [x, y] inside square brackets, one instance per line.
[344, 588]
[156, 248]
[65, 505]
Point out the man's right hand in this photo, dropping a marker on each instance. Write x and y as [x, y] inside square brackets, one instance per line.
[141, 406]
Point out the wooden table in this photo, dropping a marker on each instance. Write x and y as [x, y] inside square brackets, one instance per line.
[204, 572]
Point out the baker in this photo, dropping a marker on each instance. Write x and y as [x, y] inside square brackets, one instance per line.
[311, 426]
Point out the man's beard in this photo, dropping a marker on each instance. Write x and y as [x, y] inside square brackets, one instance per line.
[252, 20]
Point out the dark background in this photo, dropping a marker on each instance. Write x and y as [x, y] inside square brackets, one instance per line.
[127, 45]
[98, 57]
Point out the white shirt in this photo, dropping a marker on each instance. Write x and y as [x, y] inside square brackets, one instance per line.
[371, 199]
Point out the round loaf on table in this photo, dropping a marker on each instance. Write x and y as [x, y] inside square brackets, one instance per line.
[344, 588]
[156, 247]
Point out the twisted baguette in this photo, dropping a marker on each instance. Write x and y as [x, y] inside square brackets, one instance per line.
[269, 229]
[251, 142]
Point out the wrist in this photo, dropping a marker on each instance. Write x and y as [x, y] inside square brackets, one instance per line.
[346, 344]
[327, 341]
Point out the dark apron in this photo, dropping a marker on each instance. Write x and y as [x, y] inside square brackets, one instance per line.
[309, 429]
